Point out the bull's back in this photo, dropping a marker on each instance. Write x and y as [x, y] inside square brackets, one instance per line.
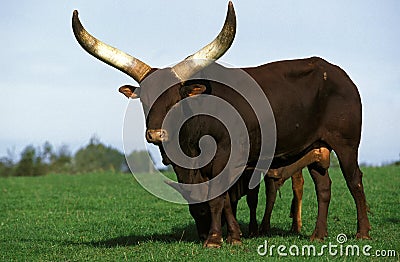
[311, 100]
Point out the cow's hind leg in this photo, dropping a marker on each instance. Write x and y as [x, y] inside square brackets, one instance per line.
[322, 184]
[234, 205]
[252, 202]
[270, 194]
[214, 238]
[234, 232]
[349, 165]
[295, 210]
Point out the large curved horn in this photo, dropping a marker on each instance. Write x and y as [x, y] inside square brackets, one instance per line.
[211, 52]
[108, 54]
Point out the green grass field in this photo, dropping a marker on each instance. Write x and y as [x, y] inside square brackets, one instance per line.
[109, 217]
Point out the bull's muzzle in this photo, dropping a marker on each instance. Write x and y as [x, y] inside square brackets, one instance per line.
[156, 136]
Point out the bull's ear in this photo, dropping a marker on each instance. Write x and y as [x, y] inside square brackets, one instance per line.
[129, 91]
[192, 90]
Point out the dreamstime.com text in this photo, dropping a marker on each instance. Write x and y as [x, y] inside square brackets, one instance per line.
[331, 249]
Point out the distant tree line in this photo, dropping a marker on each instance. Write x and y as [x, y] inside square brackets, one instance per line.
[94, 157]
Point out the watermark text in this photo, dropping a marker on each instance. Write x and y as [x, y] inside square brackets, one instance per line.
[339, 248]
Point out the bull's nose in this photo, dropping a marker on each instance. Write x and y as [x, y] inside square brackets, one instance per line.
[156, 136]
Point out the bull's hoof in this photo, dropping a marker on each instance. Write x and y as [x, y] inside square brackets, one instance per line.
[253, 231]
[233, 240]
[264, 231]
[253, 234]
[203, 237]
[211, 245]
[213, 241]
[363, 235]
[296, 228]
[318, 236]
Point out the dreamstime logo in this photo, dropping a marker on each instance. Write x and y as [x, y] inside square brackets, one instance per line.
[341, 238]
[331, 249]
[181, 114]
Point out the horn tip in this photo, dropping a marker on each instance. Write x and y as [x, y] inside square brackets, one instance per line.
[231, 8]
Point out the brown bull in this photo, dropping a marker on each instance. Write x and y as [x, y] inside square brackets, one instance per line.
[315, 104]
[275, 178]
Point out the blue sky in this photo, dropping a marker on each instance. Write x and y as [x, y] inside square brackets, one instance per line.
[51, 90]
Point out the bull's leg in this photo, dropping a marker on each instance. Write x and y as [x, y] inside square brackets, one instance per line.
[314, 155]
[252, 202]
[234, 205]
[214, 238]
[295, 211]
[348, 163]
[270, 194]
[322, 183]
[234, 232]
[200, 213]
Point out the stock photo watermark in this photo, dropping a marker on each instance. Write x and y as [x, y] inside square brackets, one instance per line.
[338, 248]
[169, 125]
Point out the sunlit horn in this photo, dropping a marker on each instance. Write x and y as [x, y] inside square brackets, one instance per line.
[211, 52]
[108, 54]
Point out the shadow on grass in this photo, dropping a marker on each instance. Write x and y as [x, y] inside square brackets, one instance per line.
[278, 232]
[186, 234]
[393, 220]
[182, 234]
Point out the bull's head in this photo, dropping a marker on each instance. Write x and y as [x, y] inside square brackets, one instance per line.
[172, 82]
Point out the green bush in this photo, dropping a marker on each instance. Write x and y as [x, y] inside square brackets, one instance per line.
[98, 157]
[31, 163]
[140, 162]
[6, 167]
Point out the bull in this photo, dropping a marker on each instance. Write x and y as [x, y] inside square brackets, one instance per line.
[314, 103]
